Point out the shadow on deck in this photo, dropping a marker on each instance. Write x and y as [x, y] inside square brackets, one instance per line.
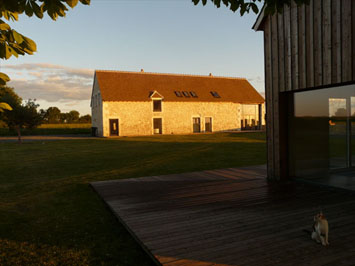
[231, 217]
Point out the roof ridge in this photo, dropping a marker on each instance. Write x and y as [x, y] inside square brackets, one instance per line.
[169, 74]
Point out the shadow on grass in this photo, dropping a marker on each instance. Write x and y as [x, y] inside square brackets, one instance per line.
[48, 203]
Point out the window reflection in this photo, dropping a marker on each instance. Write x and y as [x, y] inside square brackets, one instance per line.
[322, 131]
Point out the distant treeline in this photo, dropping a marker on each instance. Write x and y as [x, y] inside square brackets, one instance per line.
[53, 115]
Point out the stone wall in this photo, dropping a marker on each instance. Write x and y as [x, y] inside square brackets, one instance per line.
[96, 109]
[136, 118]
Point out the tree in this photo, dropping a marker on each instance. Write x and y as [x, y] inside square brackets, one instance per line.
[13, 43]
[63, 117]
[85, 119]
[340, 112]
[8, 98]
[23, 116]
[271, 6]
[52, 115]
[73, 116]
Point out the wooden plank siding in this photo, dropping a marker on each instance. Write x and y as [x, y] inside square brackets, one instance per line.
[305, 47]
[336, 41]
[346, 41]
[302, 46]
[281, 52]
[327, 42]
[287, 40]
[275, 84]
[309, 45]
[317, 43]
[269, 98]
[294, 46]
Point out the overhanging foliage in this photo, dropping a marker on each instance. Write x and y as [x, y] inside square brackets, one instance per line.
[271, 6]
[13, 43]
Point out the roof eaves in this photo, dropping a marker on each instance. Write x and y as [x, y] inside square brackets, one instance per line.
[260, 19]
[169, 74]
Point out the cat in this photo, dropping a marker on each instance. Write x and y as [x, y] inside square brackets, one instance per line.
[320, 229]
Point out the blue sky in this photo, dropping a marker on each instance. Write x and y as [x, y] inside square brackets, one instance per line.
[169, 36]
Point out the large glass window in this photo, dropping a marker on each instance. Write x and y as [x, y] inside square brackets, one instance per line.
[322, 132]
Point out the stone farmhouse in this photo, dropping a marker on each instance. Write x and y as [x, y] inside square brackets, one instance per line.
[140, 103]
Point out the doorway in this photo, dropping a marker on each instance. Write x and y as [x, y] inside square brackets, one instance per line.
[157, 126]
[196, 125]
[114, 127]
[208, 124]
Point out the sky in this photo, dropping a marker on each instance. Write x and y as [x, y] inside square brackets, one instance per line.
[167, 36]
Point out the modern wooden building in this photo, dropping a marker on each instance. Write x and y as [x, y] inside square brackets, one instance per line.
[141, 103]
[310, 91]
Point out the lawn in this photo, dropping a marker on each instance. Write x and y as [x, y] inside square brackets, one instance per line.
[50, 215]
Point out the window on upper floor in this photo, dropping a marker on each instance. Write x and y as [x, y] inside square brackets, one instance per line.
[178, 93]
[186, 94]
[156, 105]
[215, 94]
[193, 94]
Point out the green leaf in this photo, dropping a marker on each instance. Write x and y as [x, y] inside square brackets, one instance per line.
[4, 26]
[30, 45]
[255, 8]
[4, 106]
[17, 36]
[85, 2]
[28, 10]
[7, 51]
[4, 78]
[37, 10]
[72, 3]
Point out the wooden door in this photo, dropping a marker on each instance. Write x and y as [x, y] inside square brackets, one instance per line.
[114, 127]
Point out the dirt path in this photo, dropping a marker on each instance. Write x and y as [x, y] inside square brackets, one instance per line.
[41, 138]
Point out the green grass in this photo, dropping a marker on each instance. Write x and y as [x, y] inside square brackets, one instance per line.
[50, 215]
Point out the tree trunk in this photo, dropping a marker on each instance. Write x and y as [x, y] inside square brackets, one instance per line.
[19, 134]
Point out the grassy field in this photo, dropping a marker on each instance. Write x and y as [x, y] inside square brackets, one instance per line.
[50, 215]
[51, 129]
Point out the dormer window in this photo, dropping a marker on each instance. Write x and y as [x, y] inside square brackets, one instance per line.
[215, 94]
[186, 94]
[193, 94]
[178, 93]
[156, 105]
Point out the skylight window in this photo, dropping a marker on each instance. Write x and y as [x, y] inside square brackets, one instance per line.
[193, 94]
[178, 93]
[186, 94]
[215, 94]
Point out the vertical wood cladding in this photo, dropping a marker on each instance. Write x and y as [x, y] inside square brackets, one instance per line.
[306, 46]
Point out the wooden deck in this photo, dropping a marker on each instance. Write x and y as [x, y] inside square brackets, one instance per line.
[231, 217]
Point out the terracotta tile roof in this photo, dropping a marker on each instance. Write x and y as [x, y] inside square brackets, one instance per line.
[138, 86]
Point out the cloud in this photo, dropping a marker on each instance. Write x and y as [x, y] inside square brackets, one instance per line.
[68, 71]
[52, 83]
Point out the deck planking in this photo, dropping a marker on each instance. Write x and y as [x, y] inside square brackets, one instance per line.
[231, 216]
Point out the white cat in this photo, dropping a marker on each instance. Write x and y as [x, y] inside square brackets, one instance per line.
[320, 229]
